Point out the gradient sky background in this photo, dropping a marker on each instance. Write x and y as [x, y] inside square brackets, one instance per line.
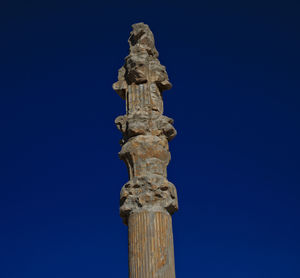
[235, 161]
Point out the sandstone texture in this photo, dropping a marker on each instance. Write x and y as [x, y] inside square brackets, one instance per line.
[146, 131]
[150, 248]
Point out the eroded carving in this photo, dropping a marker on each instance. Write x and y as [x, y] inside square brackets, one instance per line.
[146, 131]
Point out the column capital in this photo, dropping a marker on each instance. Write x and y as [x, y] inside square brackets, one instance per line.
[146, 131]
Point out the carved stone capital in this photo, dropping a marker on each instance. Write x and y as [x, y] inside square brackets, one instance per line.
[151, 192]
[146, 131]
[140, 123]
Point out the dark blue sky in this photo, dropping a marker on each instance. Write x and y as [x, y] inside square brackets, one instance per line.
[235, 162]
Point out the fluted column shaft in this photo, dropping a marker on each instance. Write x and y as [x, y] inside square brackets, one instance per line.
[150, 238]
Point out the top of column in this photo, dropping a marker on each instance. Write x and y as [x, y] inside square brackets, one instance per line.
[146, 131]
[142, 64]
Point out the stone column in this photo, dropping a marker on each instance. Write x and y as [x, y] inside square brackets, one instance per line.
[148, 199]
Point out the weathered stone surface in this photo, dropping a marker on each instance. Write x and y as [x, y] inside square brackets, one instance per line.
[146, 131]
[150, 192]
[151, 251]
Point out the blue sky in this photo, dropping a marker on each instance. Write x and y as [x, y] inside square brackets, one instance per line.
[235, 161]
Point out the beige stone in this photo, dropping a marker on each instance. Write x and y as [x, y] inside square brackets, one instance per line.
[148, 199]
